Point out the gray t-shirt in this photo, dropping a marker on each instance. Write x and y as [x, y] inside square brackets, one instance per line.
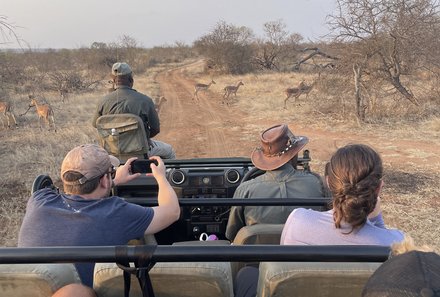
[54, 219]
[310, 227]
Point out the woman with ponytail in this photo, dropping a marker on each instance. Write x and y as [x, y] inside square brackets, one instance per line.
[354, 177]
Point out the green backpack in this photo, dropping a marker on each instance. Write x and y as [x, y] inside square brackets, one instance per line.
[123, 135]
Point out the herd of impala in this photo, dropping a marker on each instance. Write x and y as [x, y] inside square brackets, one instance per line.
[294, 92]
[45, 111]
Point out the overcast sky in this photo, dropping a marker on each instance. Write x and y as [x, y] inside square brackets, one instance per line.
[79, 23]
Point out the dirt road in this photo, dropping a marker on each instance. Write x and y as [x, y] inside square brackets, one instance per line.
[198, 128]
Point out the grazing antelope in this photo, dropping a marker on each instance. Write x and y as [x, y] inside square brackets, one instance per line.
[298, 91]
[44, 112]
[6, 109]
[201, 87]
[231, 90]
[159, 102]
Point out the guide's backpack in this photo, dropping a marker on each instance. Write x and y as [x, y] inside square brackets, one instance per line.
[123, 135]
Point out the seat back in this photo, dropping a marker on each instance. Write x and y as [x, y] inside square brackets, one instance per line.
[123, 135]
[256, 234]
[259, 234]
[202, 279]
[37, 280]
[329, 279]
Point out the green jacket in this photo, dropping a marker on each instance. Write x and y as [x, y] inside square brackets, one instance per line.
[127, 100]
[284, 182]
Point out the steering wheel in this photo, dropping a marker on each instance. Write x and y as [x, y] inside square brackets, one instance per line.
[253, 173]
[41, 182]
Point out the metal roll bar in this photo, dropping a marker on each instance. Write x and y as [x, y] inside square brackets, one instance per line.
[196, 253]
[238, 202]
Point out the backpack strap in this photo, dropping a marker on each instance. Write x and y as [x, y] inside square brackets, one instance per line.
[142, 266]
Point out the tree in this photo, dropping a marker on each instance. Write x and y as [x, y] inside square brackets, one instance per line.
[387, 39]
[276, 45]
[7, 30]
[228, 48]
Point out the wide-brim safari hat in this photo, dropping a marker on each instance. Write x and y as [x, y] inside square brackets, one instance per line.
[278, 146]
[415, 273]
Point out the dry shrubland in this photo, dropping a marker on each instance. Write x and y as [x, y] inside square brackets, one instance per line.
[411, 192]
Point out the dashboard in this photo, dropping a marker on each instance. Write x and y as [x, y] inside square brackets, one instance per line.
[194, 179]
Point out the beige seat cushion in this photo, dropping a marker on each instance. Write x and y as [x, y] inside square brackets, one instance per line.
[169, 279]
[313, 279]
[36, 280]
[259, 234]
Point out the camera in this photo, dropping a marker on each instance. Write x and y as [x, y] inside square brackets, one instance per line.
[142, 166]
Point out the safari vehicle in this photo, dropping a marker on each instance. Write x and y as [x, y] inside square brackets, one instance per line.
[177, 263]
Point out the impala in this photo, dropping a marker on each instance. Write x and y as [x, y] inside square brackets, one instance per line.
[231, 90]
[201, 87]
[6, 109]
[44, 111]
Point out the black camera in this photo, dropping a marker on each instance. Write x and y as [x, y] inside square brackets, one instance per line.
[142, 166]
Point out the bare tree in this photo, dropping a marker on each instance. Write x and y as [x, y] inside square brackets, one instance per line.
[387, 39]
[7, 30]
[276, 45]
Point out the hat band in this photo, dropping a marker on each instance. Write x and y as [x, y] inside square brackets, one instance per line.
[290, 143]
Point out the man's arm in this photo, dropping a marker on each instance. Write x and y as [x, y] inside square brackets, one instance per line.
[236, 216]
[97, 114]
[168, 210]
[235, 222]
[153, 119]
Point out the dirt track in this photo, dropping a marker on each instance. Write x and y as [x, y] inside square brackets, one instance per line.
[197, 128]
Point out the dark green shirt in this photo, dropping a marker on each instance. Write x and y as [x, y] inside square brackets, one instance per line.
[284, 182]
[127, 100]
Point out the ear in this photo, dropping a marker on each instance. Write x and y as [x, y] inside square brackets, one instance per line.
[103, 181]
[379, 188]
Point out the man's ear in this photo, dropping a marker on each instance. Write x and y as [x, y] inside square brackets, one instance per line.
[103, 181]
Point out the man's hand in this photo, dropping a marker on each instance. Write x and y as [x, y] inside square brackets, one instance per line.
[157, 171]
[123, 173]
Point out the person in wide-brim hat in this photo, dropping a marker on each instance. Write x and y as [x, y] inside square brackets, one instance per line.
[278, 146]
[277, 156]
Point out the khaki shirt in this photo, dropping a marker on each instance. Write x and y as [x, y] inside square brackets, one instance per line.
[127, 100]
[284, 182]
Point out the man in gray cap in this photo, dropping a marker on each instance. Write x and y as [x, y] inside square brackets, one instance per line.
[125, 99]
[85, 215]
[278, 156]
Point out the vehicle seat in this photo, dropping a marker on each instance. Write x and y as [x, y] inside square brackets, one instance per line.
[330, 279]
[210, 279]
[37, 280]
[123, 135]
[259, 234]
[256, 234]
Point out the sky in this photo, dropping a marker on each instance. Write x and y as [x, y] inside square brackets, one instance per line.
[79, 23]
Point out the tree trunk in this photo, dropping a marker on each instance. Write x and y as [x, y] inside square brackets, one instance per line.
[360, 111]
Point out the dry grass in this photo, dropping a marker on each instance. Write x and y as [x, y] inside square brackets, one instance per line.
[412, 192]
[407, 141]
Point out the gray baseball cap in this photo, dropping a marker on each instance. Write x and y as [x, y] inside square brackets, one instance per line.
[121, 68]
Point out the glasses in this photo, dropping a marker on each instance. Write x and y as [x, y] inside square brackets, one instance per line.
[112, 172]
